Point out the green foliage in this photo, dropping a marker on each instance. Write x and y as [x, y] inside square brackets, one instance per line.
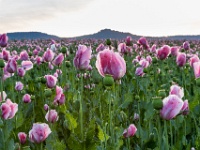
[70, 121]
[134, 95]
[102, 135]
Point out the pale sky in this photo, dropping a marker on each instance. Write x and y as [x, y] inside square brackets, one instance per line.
[69, 18]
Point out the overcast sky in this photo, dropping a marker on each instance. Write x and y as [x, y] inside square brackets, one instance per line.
[68, 18]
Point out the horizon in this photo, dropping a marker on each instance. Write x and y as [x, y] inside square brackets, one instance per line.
[100, 31]
[68, 18]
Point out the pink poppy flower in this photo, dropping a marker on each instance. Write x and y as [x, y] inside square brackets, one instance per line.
[130, 131]
[39, 132]
[142, 41]
[109, 62]
[128, 40]
[174, 50]
[26, 98]
[82, 58]
[48, 55]
[24, 55]
[193, 59]
[122, 48]
[185, 108]
[19, 86]
[51, 81]
[11, 66]
[3, 40]
[196, 68]
[22, 137]
[171, 107]
[163, 52]
[139, 71]
[6, 54]
[58, 60]
[52, 116]
[21, 72]
[27, 65]
[186, 45]
[181, 59]
[9, 109]
[176, 90]
[60, 97]
[100, 48]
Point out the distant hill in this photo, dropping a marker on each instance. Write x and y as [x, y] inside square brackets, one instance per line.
[30, 35]
[103, 34]
[108, 33]
[184, 37]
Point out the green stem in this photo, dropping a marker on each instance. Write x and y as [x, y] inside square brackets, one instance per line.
[140, 134]
[171, 133]
[81, 108]
[110, 114]
[2, 98]
[166, 135]
[41, 146]
[159, 133]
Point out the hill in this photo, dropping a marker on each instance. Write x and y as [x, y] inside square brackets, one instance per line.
[108, 33]
[30, 35]
[102, 34]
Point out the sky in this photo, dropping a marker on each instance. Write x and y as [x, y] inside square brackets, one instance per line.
[70, 18]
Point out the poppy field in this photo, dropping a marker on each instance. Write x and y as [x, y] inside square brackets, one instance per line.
[94, 94]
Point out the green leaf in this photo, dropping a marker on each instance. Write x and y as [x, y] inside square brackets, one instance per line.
[1, 123]
[8, 127]
[92, 146]
[26, 148]
[60, 145]
[74, 143]
[20, 119]
[10, 145]
[149, 113]
[197, 110]
[128, 100]
[193, 104]
[71, 122]
[1, 139]
[102, 135]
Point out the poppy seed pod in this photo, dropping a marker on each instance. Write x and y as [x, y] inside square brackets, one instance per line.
[108, 80]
